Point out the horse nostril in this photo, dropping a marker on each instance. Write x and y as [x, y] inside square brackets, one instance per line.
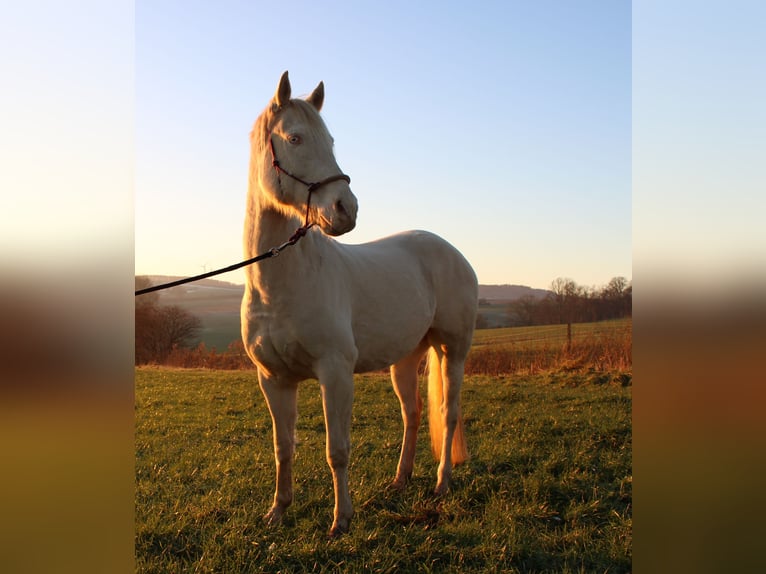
[340, 208]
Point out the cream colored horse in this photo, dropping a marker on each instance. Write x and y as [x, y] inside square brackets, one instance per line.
[325, 310]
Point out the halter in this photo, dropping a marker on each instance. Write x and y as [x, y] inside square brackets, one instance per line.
[312, 187]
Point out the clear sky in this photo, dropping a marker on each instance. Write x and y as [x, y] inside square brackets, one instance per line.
[503, 126]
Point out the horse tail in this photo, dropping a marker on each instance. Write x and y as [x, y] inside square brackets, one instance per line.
[436, 420]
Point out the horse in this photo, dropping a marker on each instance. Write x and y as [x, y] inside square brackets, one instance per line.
[325, 310]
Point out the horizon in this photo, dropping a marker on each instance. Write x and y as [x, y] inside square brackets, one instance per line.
[166, 277]
[241, 283]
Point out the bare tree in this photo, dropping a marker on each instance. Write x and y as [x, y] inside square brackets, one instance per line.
[568, 303]
[567, 297]
[618, 297]
[177, 327]
[158, 328]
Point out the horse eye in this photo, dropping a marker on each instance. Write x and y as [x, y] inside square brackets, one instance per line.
[294, 139]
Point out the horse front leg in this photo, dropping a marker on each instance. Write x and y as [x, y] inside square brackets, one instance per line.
[337, 386]
[282, 399]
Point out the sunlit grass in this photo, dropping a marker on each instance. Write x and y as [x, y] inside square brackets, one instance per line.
[603, 347]
[548, 487]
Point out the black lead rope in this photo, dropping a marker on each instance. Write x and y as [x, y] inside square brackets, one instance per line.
[273, 252]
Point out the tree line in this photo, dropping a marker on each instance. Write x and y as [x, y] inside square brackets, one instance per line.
[567, 303]
[161, 328]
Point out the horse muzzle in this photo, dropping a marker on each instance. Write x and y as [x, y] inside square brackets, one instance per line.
[340, 217]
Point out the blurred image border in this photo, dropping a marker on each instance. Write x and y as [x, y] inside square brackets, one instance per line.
[66, 287]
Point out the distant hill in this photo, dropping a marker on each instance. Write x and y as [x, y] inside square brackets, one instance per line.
[157, 279]
[210, 287]
[509, 292]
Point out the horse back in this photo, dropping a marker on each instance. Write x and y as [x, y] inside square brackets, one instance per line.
[405, 286]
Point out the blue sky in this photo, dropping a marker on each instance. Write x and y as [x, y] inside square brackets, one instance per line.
[505, 128]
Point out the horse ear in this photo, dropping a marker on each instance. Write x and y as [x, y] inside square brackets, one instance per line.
[316, 98]
[282, 97]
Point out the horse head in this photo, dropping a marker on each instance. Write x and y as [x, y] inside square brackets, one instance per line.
[294, 165]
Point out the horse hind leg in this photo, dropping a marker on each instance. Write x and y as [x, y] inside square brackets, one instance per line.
[404, 377]
[446, 422]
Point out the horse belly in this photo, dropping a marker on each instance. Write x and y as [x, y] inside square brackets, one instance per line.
[390, 338]
[379, 362]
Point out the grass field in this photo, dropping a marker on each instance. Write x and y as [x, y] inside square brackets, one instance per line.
[605, 346]
[548, 487]
[549, 335]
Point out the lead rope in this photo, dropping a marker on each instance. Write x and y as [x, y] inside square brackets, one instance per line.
[273, 252]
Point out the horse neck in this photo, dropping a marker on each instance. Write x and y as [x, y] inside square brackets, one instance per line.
[266, 228]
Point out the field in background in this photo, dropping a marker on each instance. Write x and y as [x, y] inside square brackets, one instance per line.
[216, 304]
[542, 335]
[493, 314]
[548, 487]
[604, 346]
[601, 347]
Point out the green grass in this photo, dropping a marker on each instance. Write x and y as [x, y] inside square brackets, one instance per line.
[220, 330]
[548, 487]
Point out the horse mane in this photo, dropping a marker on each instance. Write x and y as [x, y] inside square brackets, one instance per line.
[262, 128]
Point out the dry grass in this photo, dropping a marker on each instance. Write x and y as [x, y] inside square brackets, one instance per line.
[233, 358]
[592, 349]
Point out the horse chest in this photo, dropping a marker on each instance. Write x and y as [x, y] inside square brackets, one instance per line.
[275, 347]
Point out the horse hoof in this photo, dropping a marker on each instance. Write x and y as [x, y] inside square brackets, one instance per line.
[273, 517]
[397, 485]
[338, 529]
[441, 490]
[335, 533]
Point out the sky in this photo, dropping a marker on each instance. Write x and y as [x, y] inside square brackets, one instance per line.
[504, 128]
